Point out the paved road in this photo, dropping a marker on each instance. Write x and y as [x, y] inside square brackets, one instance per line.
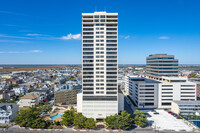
[114, 131]
[127, 107]
[17, 129]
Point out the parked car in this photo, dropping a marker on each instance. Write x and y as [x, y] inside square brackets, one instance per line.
[147, 115]
[170, 112]
[185, 117]
[178, 117]
[156, 113]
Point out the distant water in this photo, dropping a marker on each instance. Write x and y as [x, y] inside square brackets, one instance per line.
[36, 65]
[196, 122]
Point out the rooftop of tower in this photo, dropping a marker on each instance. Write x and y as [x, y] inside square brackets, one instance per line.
[99, 13]
[160, 55]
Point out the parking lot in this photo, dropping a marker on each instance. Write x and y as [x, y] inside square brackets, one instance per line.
[162, 120]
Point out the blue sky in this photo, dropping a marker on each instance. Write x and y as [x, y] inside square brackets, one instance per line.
[48, 31]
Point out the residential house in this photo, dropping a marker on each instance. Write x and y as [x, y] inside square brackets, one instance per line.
[6, 94]
[20, 90]
[8, 112]
[42, 93]
[29, 100]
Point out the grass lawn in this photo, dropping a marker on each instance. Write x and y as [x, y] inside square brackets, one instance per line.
[192, 117]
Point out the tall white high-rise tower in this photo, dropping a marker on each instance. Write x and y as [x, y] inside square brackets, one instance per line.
[99, 96]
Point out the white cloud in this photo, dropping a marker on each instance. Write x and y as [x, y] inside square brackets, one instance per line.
[35, 34]
[11, 52]
[164, 37]
[125, 37]
[71, 37]
[12, 13]
[31, 37]
[13, 41]
[36, 51]
[18, 37]
[12, 25]
[20, 52]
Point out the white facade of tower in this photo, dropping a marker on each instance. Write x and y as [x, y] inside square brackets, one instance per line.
[100, 64]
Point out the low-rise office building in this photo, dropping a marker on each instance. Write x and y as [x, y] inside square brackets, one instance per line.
[197, 81]
[175, 89]
[144, 92]
[186, 107]
[158, 65]
[148, 93]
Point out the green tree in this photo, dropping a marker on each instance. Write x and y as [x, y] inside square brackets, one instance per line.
[15, 85]
[79, 120]
[31, 90]
[50, 127]
[90, 123]
[3, 101]
[30, 118]
[193, 75]
[47, 107]
[140, 118]
[124, 120]
[20, 95]
[121, 121]
[68, 117]
[57, 123]
[112, 121]
[12, 101]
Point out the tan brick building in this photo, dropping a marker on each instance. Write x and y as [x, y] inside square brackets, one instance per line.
[66, 97]
[198, 90]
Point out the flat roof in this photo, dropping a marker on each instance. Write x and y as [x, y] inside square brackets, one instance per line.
[101, 12]
[187, 102]
[174, 78]
[146, 80]
[151, 81]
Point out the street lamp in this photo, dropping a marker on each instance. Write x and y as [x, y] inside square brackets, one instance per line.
[158, 128]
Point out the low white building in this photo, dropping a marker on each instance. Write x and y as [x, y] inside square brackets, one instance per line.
[175, 89]
[29, 100]
[144, 92]
[8, 111]
[186, 107]
[20, 90]
[150, 93]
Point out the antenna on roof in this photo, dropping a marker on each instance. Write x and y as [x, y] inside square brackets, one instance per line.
[104, 8]
[95, 9]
